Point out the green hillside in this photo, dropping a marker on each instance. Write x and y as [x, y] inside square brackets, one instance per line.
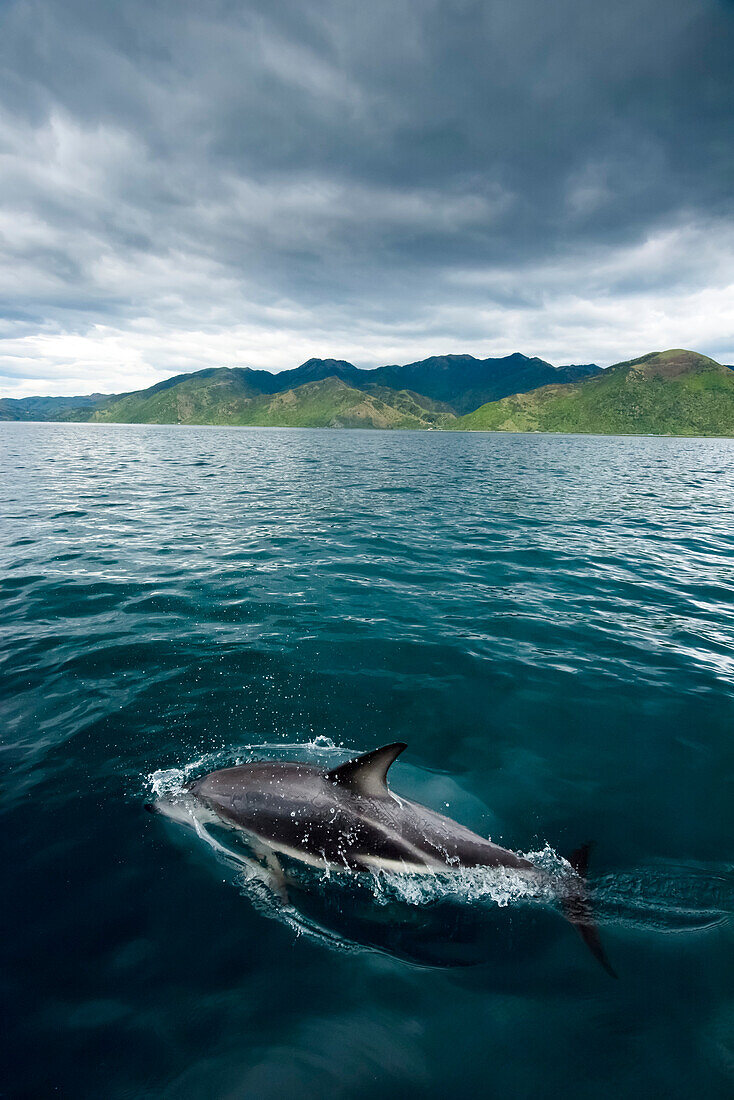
[465, 383]
[48, 408]
[222, 398]
[206, 397]
[664, 393]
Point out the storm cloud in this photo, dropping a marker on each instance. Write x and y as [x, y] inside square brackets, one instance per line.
[195, 184]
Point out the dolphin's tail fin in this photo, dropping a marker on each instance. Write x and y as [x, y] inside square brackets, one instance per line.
[577, 908]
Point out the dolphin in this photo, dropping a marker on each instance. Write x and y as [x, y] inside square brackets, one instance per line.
[347, 818]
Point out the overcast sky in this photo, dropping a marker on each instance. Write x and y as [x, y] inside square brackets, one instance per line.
[252, 183]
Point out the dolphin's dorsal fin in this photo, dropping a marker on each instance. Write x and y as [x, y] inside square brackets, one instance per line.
[367, 775]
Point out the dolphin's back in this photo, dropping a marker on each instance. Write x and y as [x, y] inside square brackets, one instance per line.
[442, 839]
[308, 813]
[297, 810]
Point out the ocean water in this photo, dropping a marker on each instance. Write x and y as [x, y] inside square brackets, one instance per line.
[548, 622]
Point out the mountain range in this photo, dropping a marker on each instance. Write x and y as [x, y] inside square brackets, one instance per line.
[450, 384]
[673, 393]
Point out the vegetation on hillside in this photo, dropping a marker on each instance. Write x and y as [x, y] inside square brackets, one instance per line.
[665, 393]
[207, 397]
[464, 383]
[47, 408]
[330, 403]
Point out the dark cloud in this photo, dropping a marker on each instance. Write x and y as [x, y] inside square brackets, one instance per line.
[270, 174]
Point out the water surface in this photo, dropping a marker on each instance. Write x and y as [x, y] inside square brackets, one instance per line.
[547, 621]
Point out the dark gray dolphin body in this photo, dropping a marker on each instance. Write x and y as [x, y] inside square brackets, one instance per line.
[347, 818]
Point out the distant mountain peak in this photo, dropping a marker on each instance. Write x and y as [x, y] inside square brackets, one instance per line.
[672, 363]
[314, 362]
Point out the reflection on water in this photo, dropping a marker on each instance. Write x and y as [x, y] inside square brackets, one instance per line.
[546, 621]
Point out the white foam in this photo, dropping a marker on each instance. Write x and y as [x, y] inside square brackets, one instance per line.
[500, 886]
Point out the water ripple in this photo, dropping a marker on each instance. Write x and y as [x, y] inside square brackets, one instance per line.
[548, 622]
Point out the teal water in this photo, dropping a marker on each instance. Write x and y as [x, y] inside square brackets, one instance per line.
[548, 622]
